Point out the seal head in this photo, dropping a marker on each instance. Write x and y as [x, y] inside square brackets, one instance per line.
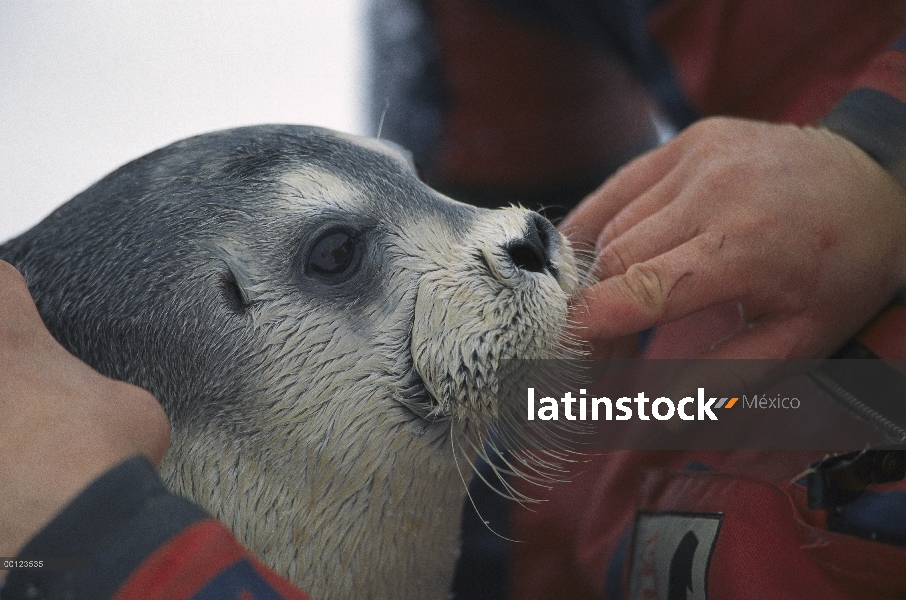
[322, 329]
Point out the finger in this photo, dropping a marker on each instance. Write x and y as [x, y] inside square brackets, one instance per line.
[737, 378]
[696, 334]
[768, 337]
[584, 223]
[654, 235]
[667, 287]
[651, 202]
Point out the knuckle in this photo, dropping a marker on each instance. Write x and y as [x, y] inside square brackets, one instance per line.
[714, 137]
[610, 231]
[706, 129]
[714, 240]
[715, 125]
[645, 287]
[612, 262]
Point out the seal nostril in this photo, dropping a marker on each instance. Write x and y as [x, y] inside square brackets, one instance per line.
[526, 256]
[532, 252]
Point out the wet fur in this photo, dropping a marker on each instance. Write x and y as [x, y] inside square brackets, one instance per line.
[294, 403]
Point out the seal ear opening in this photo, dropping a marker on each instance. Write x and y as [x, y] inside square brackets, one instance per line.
[235, 294]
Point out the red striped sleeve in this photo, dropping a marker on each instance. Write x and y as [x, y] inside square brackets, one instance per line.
[205, 561]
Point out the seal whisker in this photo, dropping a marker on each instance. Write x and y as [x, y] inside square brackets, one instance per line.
[380, 126]
[469, 493]
[509, 492]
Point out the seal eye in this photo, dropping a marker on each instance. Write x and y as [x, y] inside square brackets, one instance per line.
[333, 254]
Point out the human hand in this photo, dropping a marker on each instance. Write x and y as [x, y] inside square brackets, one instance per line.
[792, 237]
[62, 424]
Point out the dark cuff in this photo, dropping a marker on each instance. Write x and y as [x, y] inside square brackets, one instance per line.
[876, 122]
[111, 527]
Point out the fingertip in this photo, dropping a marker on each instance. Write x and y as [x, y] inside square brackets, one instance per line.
[586, 221]
[158, 431]
[604, 312]
[145, 418]
[582, 224]
[161, 436]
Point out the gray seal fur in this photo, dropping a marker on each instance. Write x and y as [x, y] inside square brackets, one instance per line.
[319, 415]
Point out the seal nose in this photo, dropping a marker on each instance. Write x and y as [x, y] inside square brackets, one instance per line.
[534, 250]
